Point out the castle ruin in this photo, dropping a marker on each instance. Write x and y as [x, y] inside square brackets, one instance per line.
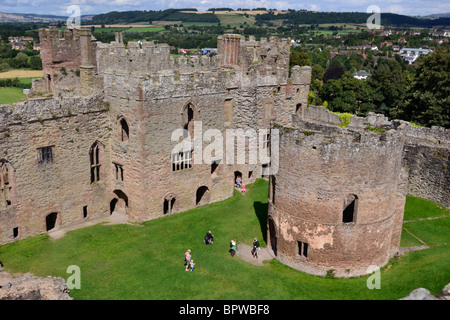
[96, 137]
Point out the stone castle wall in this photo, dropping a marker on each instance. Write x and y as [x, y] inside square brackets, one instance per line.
[333, 166]
[131, 99]
[142, 86]
[70, 127]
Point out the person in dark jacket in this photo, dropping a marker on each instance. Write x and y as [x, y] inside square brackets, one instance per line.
[256, 248]
[209, 238]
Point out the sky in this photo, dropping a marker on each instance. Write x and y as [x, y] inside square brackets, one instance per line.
[407, 7]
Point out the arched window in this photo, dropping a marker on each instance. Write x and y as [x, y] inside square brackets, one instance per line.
[189, 116]
[7, 184]
[350, 208]
[96, 157]
[119, 203]
[124, 130]
[169, 203]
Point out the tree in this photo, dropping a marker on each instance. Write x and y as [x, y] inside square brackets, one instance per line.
[428, 99]
[334, 73]
[35, 63]
[20, 61]
[298, 59]
[389, 82]
[348, 94]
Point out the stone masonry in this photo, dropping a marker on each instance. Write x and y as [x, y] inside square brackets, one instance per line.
[97, 136]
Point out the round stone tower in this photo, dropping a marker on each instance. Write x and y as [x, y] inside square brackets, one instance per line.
[336, 203]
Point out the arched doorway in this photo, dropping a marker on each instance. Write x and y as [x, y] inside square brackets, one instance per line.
[50, 221]
[272, 236]
[119, 203]
[202, 196]
[238, 179]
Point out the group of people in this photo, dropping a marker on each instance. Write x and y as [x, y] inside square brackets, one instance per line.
[239, 184]
[208, 240]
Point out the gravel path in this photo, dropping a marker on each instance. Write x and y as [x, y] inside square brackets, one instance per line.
[244, 252]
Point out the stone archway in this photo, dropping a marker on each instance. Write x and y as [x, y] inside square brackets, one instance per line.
[119, 203]
[51, 220]
[202, 196]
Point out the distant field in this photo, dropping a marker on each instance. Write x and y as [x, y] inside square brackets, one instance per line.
[10, 95]
[145, 29]
[21, 74]
[235, 20]
[249, 12]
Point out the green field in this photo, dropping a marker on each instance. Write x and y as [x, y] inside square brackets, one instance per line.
[10, 95]
[145, 261]
[146, 29]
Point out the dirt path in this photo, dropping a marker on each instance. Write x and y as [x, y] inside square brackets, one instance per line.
[244, 252]
[115, 218]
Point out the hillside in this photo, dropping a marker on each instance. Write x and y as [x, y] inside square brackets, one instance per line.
[287, 17]
[31, 17]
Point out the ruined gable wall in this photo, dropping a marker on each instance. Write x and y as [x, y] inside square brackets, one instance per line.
[71, 126]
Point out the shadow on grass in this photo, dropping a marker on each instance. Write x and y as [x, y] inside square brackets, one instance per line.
[261, 213]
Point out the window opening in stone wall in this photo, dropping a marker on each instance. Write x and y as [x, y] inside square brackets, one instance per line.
[350, 207]
[214, 166]
[168, 205]
[302, 248]
[298, 107]
[95, 162]
[124, 130]
[85, 212]
[181, 160]
[118, 171]
[45, 155]
[189, 121]
[6, 183]
[15, 232]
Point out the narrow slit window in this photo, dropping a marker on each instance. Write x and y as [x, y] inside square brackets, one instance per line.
[302, 249]
[124, 130]
[350, 208]
[95, 155]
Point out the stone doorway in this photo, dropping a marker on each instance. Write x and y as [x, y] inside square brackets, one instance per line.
[272, 237]
[50, 221]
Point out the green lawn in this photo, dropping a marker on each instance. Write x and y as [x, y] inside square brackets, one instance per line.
[145, 261]
[10, 95]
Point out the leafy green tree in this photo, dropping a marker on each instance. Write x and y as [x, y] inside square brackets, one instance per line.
[297, 58]
[348, 94]
[35, 63]
[428, 99]
[389, 83]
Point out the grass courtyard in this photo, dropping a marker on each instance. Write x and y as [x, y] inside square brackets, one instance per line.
[9, 95]
[145, 261]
